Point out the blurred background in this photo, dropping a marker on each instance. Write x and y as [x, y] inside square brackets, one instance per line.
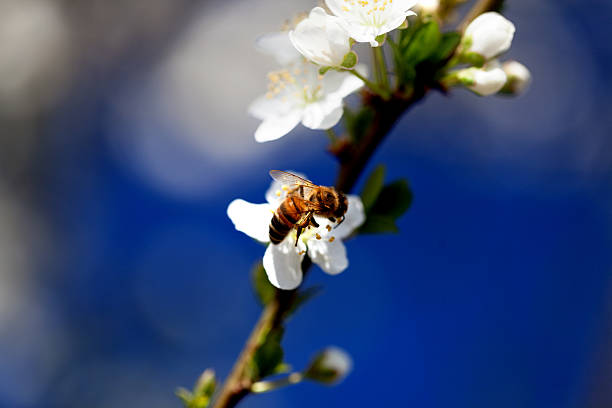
[124, 135]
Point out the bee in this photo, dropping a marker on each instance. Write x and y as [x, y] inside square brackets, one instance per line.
[304, 200]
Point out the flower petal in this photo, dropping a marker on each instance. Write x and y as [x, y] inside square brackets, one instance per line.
[252, 219]
[341, 84]
[330, 256]
[283, 264]
[321, 39]
[278, 45]
[264, 107]
[275, 127]
[353, 219]
[323, 115]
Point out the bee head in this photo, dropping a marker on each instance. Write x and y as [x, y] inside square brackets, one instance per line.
[342, 205]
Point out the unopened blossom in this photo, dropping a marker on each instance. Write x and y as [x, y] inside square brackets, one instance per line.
[489, 35]
[321, 39]
[298, 93]
[518, 75]
[329, 366]
[484, 81]
[365, 20]
[428, 6]
[283, 262]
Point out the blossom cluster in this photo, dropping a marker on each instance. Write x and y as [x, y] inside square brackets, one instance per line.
[486, 38]
[318, 69]
[297, 91]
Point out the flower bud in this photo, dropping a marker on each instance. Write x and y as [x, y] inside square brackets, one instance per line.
[484, 81]
[330, 366]
[321, 39]
[489, 35]
[518, 75]
[428, 6]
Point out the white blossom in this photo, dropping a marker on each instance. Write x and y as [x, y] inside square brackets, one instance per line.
[321, 39]
[518, 75]
[282, 262]
[365, 20]
[484, 81]
[428, 6]
[329, 366]
[489, 35]
[298, 93]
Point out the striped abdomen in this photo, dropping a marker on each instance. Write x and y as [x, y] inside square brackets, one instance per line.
[285, 217]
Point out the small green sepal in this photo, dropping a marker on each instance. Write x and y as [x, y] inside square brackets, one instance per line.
[350, 60]
[473, 58]
[381, 39]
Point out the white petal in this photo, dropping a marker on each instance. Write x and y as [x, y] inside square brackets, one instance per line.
[485, 81]
[264, 107]
[518, 75]
[404, 5]
[252, 219]
[273, 128]
[320, 38]
[337, 360]
[278, 45]
[283, 264]
[491, 34]
[330, 256]
[335, 6]
[353, 219]
[322, 115]
[341, 84]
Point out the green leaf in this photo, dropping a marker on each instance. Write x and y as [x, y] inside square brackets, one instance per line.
[268, 359]
[379, 224]
[202, 391]
[423, 43]
[358, 123]
[394, 199]
[373, 187]
[261, 285]
[448, 45]
[350, 60]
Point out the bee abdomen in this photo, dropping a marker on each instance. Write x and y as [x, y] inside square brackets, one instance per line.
[279, 228]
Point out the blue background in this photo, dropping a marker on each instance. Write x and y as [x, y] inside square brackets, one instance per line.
[495, 292]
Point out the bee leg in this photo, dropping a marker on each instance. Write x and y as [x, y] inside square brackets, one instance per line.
[299, 232]
[340, 222]
[313, 222]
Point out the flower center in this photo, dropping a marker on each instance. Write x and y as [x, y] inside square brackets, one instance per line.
[370, 12]
[300, 82]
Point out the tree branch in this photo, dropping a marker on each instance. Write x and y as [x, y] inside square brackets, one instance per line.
[352, 162]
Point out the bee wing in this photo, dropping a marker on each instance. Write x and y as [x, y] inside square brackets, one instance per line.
[292, 181]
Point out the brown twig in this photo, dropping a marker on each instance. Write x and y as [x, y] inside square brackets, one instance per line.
[353, 158]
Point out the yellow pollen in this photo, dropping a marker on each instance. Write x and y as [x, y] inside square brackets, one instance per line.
[331, 239]
[318, 236]
[278, 193]
[301, 252]
[285, 188]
